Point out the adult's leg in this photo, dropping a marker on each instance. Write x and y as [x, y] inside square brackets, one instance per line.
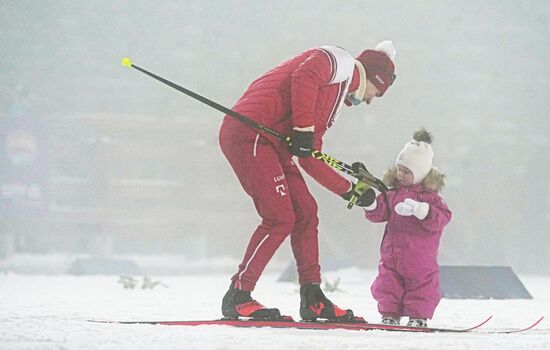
[260, 173]
[305, 246]
[304, 236]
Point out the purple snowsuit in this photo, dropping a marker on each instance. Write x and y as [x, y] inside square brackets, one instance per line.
[408, 273]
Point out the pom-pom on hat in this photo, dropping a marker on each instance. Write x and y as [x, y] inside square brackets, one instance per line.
[379, 65]
[417, 155]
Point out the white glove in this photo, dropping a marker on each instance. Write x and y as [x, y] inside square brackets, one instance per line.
[411, 207]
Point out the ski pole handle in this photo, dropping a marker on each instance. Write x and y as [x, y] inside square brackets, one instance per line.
[361, 175]
[358, 190]
[352, 201]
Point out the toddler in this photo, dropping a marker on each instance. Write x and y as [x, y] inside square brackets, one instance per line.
[408, 273]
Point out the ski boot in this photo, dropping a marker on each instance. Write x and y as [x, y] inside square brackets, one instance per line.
[391, 320]
[417, 322]
[314, 304]
[238, 303]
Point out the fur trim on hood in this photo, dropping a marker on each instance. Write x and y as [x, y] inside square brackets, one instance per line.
[434, 181]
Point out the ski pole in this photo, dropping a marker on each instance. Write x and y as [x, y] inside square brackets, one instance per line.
[126, 62]
[362, 175]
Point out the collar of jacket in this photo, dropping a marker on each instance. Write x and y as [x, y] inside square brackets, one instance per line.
[354, 84]
[434, 181]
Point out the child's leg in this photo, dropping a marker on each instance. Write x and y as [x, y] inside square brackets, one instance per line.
[422, 294]
[388, 291]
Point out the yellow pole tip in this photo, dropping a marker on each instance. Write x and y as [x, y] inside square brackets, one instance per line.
[126, 62]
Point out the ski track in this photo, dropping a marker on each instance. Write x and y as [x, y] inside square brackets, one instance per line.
[51, 312]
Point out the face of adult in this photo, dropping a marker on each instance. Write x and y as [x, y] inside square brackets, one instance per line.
[370, 92]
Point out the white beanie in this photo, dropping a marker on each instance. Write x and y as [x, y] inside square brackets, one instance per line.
[417, 155]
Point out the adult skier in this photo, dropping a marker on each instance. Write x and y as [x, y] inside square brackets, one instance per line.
[301, 97]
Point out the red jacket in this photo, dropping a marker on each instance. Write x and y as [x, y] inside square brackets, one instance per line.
[306, 90]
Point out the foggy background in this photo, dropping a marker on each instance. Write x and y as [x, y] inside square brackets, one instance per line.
[123, 165]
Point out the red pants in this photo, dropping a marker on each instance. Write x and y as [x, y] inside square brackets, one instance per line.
[282, 200]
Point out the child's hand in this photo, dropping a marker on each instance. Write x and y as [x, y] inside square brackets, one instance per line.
[411, 207]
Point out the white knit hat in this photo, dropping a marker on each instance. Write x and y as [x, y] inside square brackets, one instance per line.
[417, 155]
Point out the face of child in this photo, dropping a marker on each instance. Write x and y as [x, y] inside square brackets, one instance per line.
[405, 176]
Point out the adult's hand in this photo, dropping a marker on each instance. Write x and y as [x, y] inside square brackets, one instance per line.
[301, 143]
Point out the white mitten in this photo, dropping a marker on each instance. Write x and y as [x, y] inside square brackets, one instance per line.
[420, 209]
[411, 207]
[403, 209]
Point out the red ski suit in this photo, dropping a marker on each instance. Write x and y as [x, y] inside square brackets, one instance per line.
[306, 90]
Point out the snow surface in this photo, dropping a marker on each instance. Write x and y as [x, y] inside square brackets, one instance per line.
[51, 312]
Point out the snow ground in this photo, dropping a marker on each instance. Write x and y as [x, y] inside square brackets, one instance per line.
[51, 312]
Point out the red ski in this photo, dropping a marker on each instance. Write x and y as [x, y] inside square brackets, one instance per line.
[287, 322]
[521, 329]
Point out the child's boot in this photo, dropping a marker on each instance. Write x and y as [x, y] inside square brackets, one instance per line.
[417, 322]
[391, 320]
